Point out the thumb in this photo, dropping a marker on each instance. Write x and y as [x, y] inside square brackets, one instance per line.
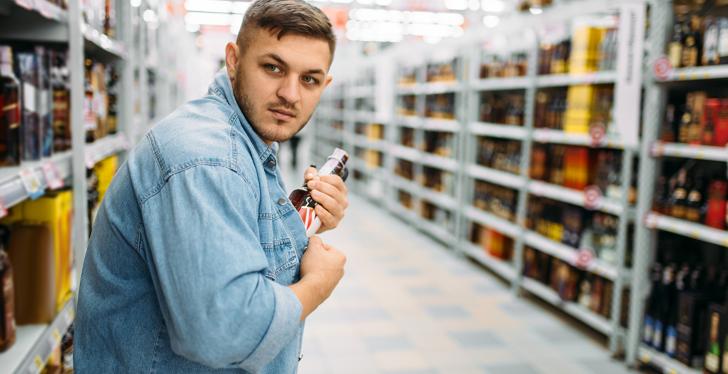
[310, 173]
[315, 241]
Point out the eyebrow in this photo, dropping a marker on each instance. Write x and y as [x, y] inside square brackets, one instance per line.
[280, 61]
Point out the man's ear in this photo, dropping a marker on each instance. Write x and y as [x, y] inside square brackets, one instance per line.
[231, 59]
[328, 80]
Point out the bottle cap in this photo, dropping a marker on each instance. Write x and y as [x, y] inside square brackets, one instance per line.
[340, 154]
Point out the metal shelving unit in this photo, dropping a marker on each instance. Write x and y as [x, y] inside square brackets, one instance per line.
[465, 129]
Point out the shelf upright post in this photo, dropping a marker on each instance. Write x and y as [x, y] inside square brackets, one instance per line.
[526, 145]
[143, 76]
[461, 142]
[126, 90]
[644, 245]
[628, 95]
[78, 134]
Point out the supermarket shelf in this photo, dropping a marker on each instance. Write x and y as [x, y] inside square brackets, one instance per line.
[560, 80]
[409, 89]
[491, 221]
[329, 113]
[569, 255]
[701, 152]
[494, 84]
[104, 148]
[497, 131]
[363, 116]
[435, 124]
[98, 42]
[574, 197]
[695, 74]
[332, 136]
[403, 213]
[406, 185]
[498, 177]
[434, 88]
[405, 153]
[437, 232]
[12, 189]
[687, 228]
[440, 162]
[439, 198]
[409, 121]
[561, 137]
[498, 266]
[34, 343]
[577, 311]
[361, 91]
[664, 363]
[44, 8]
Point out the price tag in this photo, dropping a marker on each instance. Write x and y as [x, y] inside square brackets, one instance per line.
[651, 220]
[592, 198]
[695, 234]
[52, 176]
[584, 258]
[38, 362]
[598, 134]
[32, 183]
[56, 335]
[662, 68]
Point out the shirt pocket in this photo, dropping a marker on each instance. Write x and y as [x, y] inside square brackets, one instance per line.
[282, 261]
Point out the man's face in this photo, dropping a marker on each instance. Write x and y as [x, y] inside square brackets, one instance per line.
[278, 83]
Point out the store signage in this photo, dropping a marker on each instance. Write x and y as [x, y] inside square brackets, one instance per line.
[628, 88]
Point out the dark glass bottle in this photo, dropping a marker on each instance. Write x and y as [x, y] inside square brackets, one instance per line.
[675, 48]
[652, 306]
[9, 110]
[301, 197]
[695, 200]
[679, 195]
[7, 303]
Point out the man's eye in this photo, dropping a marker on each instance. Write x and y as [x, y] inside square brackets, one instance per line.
[310, 80]
[272, 68]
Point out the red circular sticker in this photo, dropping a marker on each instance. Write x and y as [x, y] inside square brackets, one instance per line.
[584, 258]
[598, 133]
[657, 149]
[651, 220]
[592, 197]
[662, 68]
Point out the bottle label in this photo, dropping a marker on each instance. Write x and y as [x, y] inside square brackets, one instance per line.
[671, 341]
[29, 97]
[657, 335]
[648, 330]
[712, 362]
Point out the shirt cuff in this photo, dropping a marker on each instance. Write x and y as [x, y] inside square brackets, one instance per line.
[281, 331]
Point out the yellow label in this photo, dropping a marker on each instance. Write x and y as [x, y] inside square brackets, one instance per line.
[56, 335]
[38, 362]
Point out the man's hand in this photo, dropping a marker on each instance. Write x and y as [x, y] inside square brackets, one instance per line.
[330, 194]
[322, 267]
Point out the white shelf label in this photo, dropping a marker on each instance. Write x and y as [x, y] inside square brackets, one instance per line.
[32, 183]
[52, 176]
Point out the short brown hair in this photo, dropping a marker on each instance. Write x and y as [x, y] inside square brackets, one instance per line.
[287, 17]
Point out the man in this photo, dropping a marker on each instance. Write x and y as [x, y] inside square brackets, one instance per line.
[197, 260]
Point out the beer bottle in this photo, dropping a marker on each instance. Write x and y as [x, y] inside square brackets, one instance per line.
[301, 197]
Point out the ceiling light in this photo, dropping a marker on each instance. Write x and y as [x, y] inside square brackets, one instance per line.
[534, 10]
[493, 6]
[491, 21]
[149, 16]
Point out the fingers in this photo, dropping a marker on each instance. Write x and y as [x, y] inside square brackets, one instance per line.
[335, 181]
[328, 220]
[310, 173]
[331, 191]
[328, 202]
[315, 241]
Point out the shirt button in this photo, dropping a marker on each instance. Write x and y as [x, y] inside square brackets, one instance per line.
[272, 163]
[282, 201]
[300, 357]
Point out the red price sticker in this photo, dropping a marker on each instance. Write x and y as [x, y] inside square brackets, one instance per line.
[52, 176]
[598, 134]
[662, 68]
[592, 198]
[584, 258]
[657, 149]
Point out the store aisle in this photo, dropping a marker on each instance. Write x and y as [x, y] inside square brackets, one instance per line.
[409, 305]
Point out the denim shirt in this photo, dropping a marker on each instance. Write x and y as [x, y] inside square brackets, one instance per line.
[192, 251]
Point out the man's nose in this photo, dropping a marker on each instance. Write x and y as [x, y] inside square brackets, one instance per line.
[289, 90]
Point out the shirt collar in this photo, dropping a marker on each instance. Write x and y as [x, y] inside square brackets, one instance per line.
[222, 87]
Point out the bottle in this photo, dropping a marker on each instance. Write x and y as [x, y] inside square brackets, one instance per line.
[61, 103]
[89, 113]
[301, 197]
[676, 43]
[723, 41]
[712, 355]
[679, 195]
[10, 110]
[28, 74]
[710, 41]
[652, 306]
[667, 290]
[695, 202]
[691, 45]
[7, 303]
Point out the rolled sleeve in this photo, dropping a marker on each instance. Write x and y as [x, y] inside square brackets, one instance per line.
[282, 329]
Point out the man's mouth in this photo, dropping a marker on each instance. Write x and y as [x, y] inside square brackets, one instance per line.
[282, 115]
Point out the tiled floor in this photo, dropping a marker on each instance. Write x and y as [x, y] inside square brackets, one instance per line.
[409, 305]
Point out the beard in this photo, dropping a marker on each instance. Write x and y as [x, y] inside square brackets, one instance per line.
[269, 131]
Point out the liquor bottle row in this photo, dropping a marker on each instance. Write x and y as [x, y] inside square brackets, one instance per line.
[497, 200]
[364, 104]
[35, 101]
[100, 100]
[437, 180]
[440, 106]
[407, 105]
[495, 66]
[407, 75]
[443, 72]
[575, 227]
[590, 49]
[100, 15]
[502, 108]
[35, 262]
[407, 137]
[572, 284]
[694, 191]
[493, 242]
[439, 143]
[405, 169]
[503, 155]
[371, 130]
[699, 34]
[578, 167]
[575, 109]
[686, 315]
[440, 217]
[696, 119]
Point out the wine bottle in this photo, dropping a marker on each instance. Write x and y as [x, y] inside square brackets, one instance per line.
[301, 197]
